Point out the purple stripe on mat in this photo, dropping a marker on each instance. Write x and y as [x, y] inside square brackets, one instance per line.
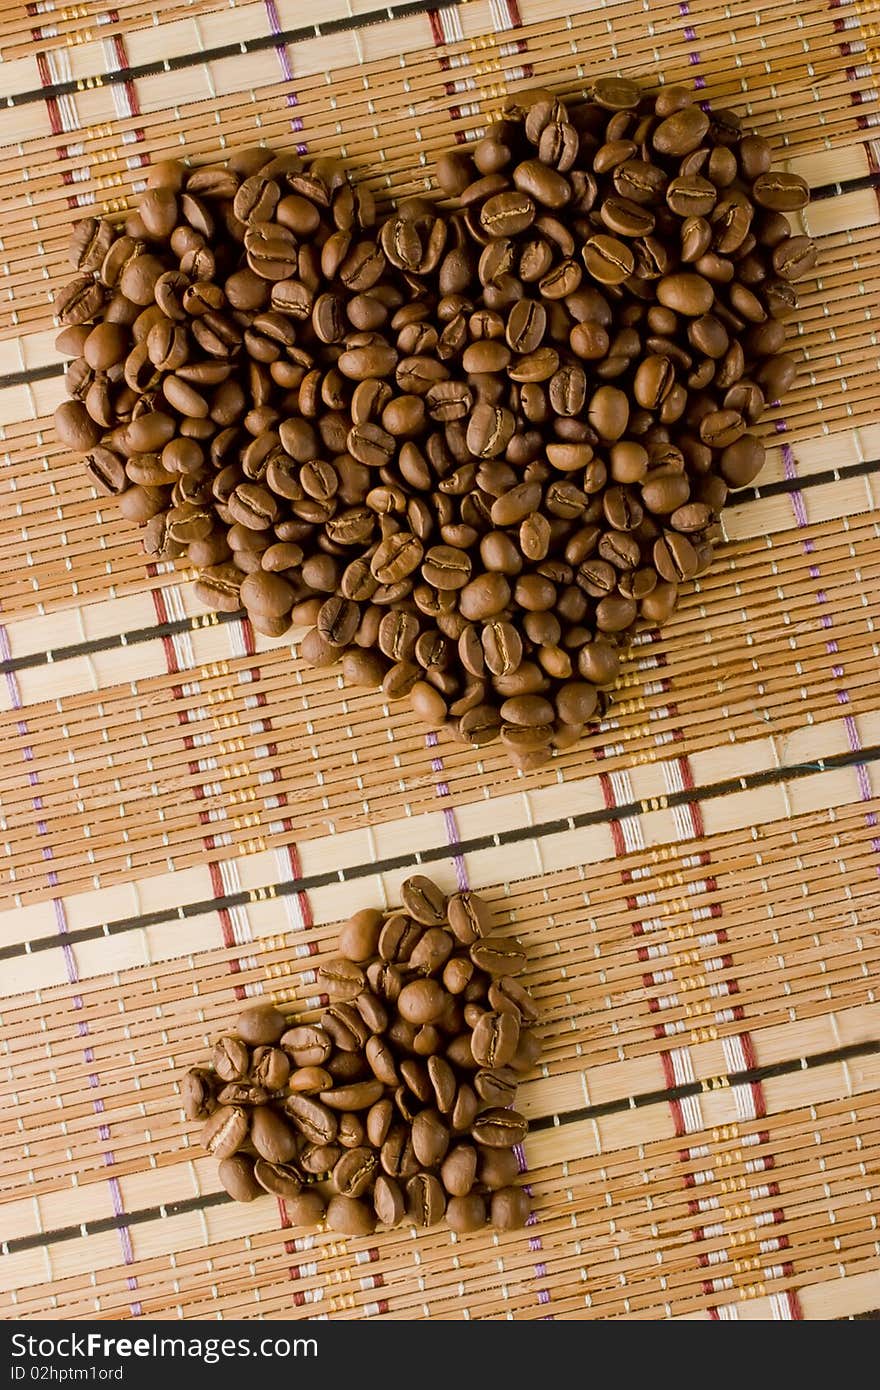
[826, 621]
[452, 834]
[690, 36]
[284, 63]
[70, 966]
[454, 840]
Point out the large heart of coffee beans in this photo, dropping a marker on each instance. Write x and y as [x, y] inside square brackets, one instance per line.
[474, 446]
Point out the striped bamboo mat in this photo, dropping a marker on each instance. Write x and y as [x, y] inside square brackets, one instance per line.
[186, 812]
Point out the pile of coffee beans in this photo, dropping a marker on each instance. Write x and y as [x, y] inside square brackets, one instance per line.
[474, 446]
[396, 1105]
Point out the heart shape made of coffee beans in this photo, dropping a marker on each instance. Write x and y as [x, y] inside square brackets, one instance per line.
[474, 446]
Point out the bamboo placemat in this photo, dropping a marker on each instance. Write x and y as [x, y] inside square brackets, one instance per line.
[186, 813]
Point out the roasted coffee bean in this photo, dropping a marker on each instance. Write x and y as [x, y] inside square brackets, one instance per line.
[231, 1059]
[238, 1177]
[282, 1180]
[359, 937]
[425, 1199]
[75, 428]
[107, 470]
[308, 1081]
[346, 1028]
[793, 258]
[242, 1093]
[497, 1128]
[342, 979]
[608, 259]
[424, 901]
[90, 241]
[388, 1201]
[272, 1136]
[780, 192]
[197, 1094]
[422, 1001]
[358, 1095]
[350, 1217]
[225, 1131]
[318, 1160]
[681, 132]
[458, 1172]
[470, 917]
[305, 1209]
[506, 214]
[442, 1079]
[396, 1155]
[355, 1171]
[430, 1138]
[308, 1044]
[509, 1209]
[466, 1213]
[314, 1120]
[495, 1039]
[398, 938]
[500, 956]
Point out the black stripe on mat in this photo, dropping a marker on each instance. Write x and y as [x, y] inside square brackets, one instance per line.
[106, 644]
[259, 44]
[784, 485]
[104, 1224]
[516, 835]
[147, 634]
[32, 374]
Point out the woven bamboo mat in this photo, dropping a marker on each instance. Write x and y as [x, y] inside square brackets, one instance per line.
[186, 813]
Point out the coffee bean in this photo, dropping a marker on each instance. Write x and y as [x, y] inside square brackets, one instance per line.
[654, 379]
[425, 1199]
[349, 1216]
[500, 956]
[544, 184]
[423, 900]
[495, 1039]
[499, 1129]
[283, 1180]
[107, 470]
[507, 213]
[308, 1044]
[342, 979]
[446, 567]
[75, 428]
[388, 1201]
[90, 241]
[686, 293]
[470, 917]
[231, 1059]
[681, 132]
[197, 1094]
[616, 93]
[272, 1137]
[794, 258]
[510, 1208]
[496, 1168]
[608, 259]
[237, 1177]
[466, 1213]
[225, 1131]
[484, 597]
[422, 1001]
[780, 192]
[270, 1067]
[314, 1120]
